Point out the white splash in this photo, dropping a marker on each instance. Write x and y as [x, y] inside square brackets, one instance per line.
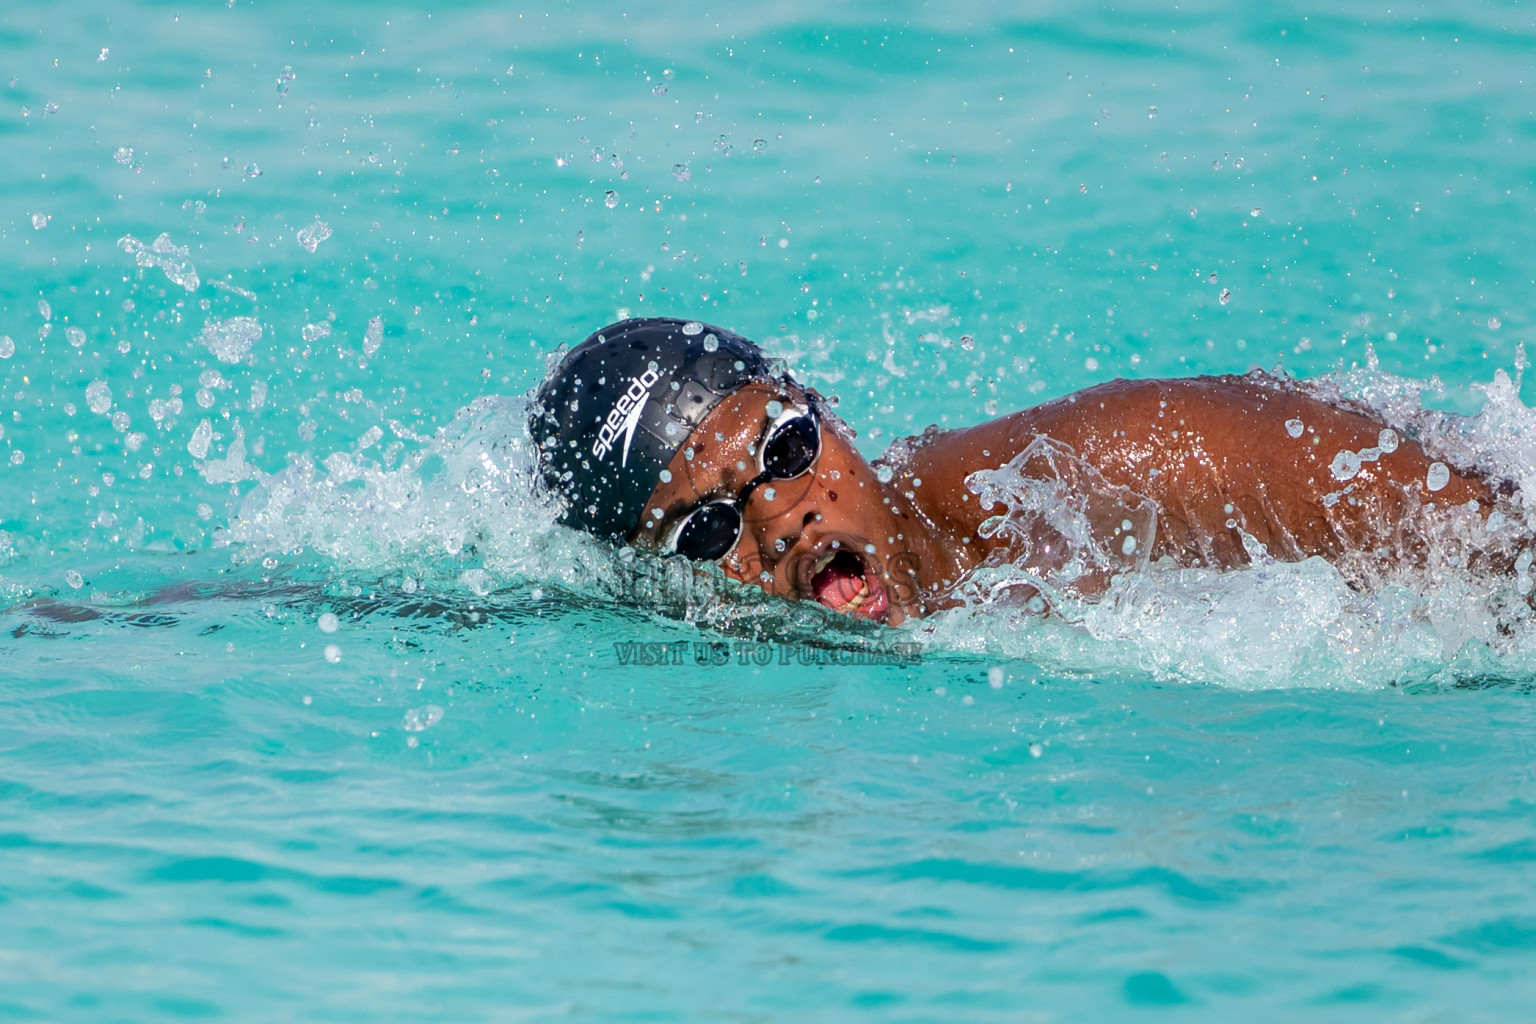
[467, 493]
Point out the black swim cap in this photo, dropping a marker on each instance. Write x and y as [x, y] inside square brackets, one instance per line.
[610, 417]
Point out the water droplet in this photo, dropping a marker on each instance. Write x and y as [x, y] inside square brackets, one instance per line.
[17, 458]
[1494, 323]
[479, 581]
[774, 409]
[610, 199]
[373, 337]
[1035, 749]
[253, 171]
[421, 719]
[885, 474]
[284, 80]
[102, 56]
[174, 260]
[310, 237]
[711, 343]
[75, 335]
[230, 340]
[995, 677]
[1128, 546]
[666, 476]
[1295, 427]
[1438, 476]
[98, 397]
[329, 623]
[967, 342]
[759, 145]
[769, 493]
[39, 221]
[1225, 296]
[693, 327]
[1387, 440]
[74, 579]
[332, 653]
[124, 155]
[7, 346]
[1346, 465]
[681, 172]
[202, 437]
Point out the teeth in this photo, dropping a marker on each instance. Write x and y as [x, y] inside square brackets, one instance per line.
[824, 561]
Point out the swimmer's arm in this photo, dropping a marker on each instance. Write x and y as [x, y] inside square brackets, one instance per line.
[1208, 450]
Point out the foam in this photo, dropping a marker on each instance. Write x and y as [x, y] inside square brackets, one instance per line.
[464, 499]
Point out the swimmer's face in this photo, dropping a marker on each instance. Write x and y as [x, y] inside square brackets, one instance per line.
[827, 535]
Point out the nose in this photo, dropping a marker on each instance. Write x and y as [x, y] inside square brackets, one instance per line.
[777, 513]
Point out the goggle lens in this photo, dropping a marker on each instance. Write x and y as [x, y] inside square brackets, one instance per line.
[793, 448]
[710, 532]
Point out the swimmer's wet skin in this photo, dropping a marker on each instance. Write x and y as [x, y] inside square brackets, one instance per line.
[680, 438]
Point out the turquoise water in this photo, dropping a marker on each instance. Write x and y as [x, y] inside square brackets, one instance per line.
[309, 711]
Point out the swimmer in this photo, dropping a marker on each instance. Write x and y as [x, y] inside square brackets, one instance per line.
[679, 438]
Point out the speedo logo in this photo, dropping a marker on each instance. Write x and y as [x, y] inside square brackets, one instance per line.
[624, 417]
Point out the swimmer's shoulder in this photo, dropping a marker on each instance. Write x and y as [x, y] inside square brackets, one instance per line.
[1110, 407]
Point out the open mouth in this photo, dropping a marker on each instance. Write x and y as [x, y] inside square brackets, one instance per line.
[845, 585]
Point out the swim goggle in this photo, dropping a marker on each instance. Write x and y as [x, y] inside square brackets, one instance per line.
[791, 446]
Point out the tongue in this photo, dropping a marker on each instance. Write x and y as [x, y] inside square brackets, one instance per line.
[840, 582]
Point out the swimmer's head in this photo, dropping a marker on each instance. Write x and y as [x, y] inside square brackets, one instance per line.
[610, 417]
[681, 438]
